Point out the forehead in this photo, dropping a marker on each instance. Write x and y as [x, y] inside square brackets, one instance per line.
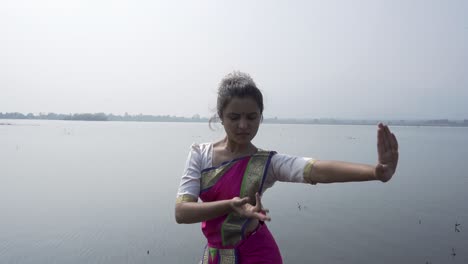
[242, 105]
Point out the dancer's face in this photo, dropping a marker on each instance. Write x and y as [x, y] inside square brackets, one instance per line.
[241, 119]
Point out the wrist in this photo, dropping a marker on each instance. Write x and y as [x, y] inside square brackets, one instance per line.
[374, 176]
[230, 205]
[379, 173]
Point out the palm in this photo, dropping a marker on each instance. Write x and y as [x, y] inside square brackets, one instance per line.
[387, 148]
[245, 209]
[249, 209]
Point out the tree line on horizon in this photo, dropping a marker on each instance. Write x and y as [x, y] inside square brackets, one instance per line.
[102, 117]
[197, 118]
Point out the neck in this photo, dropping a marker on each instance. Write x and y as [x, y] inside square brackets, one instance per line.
[234, 147]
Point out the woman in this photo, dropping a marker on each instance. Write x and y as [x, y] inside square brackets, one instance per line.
[230, 175]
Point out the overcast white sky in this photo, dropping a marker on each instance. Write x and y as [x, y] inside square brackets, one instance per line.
[333, 59]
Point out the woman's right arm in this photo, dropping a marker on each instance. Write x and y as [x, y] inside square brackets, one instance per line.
[190, 212]
[187, 209]
[193, 212]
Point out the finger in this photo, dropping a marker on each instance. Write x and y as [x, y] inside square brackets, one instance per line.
[261, 217]
[380, 140]
[265, 210]
[394, 142]
[386, 137]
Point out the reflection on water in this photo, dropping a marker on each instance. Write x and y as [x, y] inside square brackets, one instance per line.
[103, 192]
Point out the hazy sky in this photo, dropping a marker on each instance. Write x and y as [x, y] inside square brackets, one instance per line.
[344, 59]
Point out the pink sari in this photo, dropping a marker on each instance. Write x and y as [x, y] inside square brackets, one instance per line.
[228, 241]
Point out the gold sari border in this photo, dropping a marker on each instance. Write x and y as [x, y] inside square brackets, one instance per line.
[186, 198]
[209, 178]
[307, 169]
[225, 256]
[252, 181]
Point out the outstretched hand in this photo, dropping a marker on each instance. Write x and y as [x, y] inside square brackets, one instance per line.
[387, 149]
[242, 207]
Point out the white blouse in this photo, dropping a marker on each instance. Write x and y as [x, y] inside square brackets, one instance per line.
[283, 168]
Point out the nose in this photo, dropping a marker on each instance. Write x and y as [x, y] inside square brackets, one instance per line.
[243, 123]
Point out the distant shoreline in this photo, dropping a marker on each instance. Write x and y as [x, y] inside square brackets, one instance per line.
[297, 122]
[198, 119]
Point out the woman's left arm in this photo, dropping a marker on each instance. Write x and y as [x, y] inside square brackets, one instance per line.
[324, 171]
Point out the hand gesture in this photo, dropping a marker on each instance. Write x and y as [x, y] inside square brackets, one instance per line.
[387, 148]
[242, 207]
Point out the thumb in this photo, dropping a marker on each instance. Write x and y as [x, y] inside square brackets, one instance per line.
[258, 202]
[379, 170]
[383, 172]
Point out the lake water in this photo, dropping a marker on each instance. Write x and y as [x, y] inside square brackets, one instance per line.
[104, 192]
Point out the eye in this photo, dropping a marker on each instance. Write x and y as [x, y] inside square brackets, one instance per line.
[252, 116]
[233, 116]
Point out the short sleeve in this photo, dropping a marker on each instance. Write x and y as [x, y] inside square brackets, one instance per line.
[190, 181]
[287, 168]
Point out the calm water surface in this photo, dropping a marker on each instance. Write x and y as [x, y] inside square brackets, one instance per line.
[103, 192]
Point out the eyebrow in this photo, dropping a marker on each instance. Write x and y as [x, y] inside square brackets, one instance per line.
[234, 113]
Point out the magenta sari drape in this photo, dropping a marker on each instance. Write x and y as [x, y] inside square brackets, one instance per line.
[227, 239]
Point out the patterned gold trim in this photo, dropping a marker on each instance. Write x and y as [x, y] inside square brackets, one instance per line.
[209, 178]
[307, 169]
[226, 256]
[186, 198]
[253, 175]
[231, 231]
[206, 256]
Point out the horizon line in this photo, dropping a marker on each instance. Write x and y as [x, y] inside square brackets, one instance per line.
[197, 116]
